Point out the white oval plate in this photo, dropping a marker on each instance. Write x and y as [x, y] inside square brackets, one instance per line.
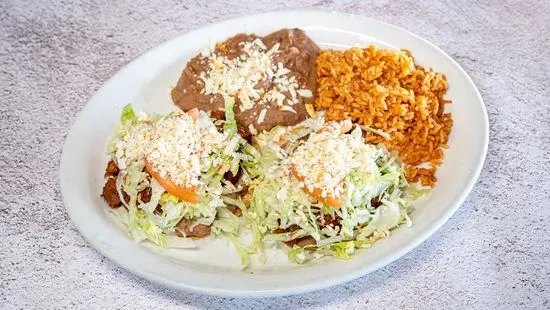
[214, 268]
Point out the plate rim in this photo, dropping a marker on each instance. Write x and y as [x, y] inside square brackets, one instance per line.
[429, 230]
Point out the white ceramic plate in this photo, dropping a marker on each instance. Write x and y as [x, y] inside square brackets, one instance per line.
[214, 268]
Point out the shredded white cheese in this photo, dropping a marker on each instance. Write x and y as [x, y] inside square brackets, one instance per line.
[239, 77]
[328, 157]
[288, 109]
[305, 93]
[177, 146]
[261, 117]
[129, 149]
[252, 129]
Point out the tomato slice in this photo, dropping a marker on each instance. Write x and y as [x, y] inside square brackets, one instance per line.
[186, 193]
[194, 113]
[316, 193]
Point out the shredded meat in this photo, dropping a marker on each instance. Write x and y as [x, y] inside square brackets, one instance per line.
[301, 242]
[291, 228]
[235, 210]
[111, 170]
[185, 228]
[375, 202]
[233, 178]
[110, 194]
[329, 220]
[145, 195]
[307, 240]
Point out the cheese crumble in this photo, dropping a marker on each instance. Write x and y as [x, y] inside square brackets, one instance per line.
[328, 157]
[242, 76]
[177, 147]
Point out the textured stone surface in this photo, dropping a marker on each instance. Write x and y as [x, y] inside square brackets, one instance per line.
[493, 253]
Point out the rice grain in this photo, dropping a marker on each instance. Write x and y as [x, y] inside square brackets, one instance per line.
[385, 90]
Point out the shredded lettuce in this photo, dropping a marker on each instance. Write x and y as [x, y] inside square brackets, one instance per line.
[414, 192]
[275, 208]
[142, 227]
[128, 115]
[243, 251]
[278, 202]
[386, 217]
[230, 125]
[343, 250]
[156, 219]
[167, 197]
[298, 255]
[226, 222]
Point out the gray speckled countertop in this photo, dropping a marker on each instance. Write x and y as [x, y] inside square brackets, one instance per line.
[493, 253]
